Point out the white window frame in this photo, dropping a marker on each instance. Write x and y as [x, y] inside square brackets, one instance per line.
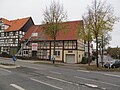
[34, 34]
[57, 53]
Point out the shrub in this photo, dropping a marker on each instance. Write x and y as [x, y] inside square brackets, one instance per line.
[6, 54]
[84, 60]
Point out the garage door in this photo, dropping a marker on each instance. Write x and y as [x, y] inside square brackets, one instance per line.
[70, 58]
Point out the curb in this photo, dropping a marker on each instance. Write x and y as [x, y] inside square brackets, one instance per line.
[3, 66]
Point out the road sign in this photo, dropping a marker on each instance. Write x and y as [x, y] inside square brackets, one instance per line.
[14, 58]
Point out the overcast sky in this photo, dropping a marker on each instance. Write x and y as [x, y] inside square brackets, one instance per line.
[14, 9]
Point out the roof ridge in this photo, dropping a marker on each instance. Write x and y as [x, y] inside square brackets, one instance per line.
[20, 19]
[17, 24]
[73, 21]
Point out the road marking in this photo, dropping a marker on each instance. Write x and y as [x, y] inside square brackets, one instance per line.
[34, 68]
[112, 75]
[83, 71]
[98, 81]
[17, 87]
[5, 70]
[91, 85]
[46, 84]
[97, 72]
[84, 78]
[62, 80]
[34, 74]
[54, 72]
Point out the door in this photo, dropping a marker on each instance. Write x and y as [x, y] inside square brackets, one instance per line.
[70, 58]
[34, 54]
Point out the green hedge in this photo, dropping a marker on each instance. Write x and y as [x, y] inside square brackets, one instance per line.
[85, 60]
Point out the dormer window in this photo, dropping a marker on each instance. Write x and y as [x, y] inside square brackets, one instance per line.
[34, 34]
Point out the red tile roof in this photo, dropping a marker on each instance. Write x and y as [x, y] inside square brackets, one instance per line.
[5, 21]
[15, 25]
[69, 33]
[34, 29]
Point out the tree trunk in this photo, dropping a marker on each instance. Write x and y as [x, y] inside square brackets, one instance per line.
[54, 50]
[97, 52]
[88, 52]
[102, 52]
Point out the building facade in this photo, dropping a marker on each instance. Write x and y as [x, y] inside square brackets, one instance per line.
[69, 47]
[11, 32]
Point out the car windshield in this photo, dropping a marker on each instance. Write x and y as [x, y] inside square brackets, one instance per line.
[117, 61]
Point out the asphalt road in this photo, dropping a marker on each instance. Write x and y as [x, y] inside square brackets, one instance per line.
[49, 77]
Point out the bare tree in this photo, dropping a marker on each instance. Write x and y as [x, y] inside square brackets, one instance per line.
[54, 15]
[86, 35]
[103, 42]
[101, 18]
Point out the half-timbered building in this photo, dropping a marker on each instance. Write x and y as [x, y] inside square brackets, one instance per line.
[68, 46]
[11, 32]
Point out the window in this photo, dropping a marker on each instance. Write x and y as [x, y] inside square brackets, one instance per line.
[20, 32]
[14, 33]
[25, 52]
[7, 34]
[57, 53]
[14, 40]
[23, 33]
[3, 27]
[70, 44]
[2, 34]
[70, 51]
[34, 34]
[10, 40]
[58, 44]
[44, 54]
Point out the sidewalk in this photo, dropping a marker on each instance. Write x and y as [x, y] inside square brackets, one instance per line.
[59, 64]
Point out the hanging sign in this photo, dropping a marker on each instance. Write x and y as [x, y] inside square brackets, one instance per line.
[34, 46]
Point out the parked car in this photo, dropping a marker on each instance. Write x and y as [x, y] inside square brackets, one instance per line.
[116, 64]
[109, 64]
[5, 54]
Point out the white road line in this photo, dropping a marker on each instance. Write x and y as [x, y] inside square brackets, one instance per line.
[5, 70]
[54, 72]
[107, 74]
[83, 71]
[112, 75]
[17, 87]
[97, 72]
[34, 68]
[61, 80]
[91, 85]
[46, 84]
[98, 81]
[84, 78]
